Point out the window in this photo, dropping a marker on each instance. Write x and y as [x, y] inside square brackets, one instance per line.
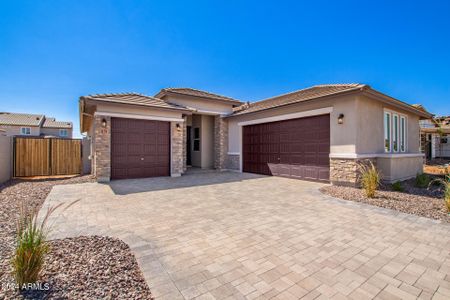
[196, 139]
[25, 130]
[63, 132]
[395, 132]
[395, 145]
[402, 134]
[387, 132]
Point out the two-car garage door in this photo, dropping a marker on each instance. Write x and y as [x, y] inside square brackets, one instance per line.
[139, 148]
[297, 148]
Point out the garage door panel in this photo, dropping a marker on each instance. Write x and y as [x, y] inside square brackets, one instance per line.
[135, 149]
[139, 148]
[296, 148]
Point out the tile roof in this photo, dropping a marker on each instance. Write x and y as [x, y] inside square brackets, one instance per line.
[313, 92]
[319, 91]
[310, 93]
[196, 93]
[134, 99]
[52, 123]
[18, 119]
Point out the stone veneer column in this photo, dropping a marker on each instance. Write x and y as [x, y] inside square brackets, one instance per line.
[102, 149]
[220, 142]
[184, 144]
[345, 171]
[177, 140]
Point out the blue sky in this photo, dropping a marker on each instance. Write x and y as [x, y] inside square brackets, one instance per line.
[52, 52]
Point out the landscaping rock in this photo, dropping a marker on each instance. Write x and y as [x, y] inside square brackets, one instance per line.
[76, 268]
[413, 200]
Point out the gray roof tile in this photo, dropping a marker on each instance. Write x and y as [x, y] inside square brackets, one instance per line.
[134, 99]
[310, 93]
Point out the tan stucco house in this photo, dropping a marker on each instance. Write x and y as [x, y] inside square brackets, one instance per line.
[319, 133]
[22, 124]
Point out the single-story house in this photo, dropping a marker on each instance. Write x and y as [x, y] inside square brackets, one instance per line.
[320, 133]
[22, 124]
[435, 137]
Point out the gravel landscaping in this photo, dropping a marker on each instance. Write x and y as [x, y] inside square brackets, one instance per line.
[413, 200]
[77, 268]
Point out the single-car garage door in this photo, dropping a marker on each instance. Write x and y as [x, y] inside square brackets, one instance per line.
[297, 148]
[139, 148]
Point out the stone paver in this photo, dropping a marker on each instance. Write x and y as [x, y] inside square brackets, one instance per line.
[242, 236]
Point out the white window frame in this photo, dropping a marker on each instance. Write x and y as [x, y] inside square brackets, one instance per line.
[395, 133]
[25, 130]
[387, 131]
[403, 136]
[66, 134]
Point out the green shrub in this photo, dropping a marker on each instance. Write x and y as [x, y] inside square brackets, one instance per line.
[422, 180]
[30, 252]
[397, 186]
[370, 178]
[31, 244]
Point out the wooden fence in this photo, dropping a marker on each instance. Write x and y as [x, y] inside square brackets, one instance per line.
[46, 156]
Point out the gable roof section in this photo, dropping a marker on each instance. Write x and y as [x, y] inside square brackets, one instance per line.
[20, 119]
[52, 123]
[196, 93]
[319, 91]
[134, 99]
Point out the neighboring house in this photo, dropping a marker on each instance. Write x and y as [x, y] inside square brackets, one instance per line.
[435, 137]
[18, 124]
[319, 133]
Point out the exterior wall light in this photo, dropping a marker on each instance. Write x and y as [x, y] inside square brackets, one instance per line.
[104, 123]
[178, 127]
[341, 119]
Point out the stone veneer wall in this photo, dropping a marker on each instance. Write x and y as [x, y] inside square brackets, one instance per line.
[220, 143]
[177, 140]
[345, 171]
[102, 149]
[184, 144]
[233, 162]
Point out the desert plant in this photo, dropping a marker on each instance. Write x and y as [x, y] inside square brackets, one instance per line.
[397, 186]
[445, 183]
[370, 178]
[31, 245]
[422, 180]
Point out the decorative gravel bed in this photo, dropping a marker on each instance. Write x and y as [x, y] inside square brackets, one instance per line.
[77, 268]
[413, 200]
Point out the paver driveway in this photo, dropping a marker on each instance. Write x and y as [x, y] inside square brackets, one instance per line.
[231, 235]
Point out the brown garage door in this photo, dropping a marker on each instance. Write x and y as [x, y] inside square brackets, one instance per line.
[297, 148]
[139, 148]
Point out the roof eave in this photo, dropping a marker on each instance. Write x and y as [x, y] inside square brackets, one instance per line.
[163, 93]
[84, 98]
[343, 93]
[395, 102]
